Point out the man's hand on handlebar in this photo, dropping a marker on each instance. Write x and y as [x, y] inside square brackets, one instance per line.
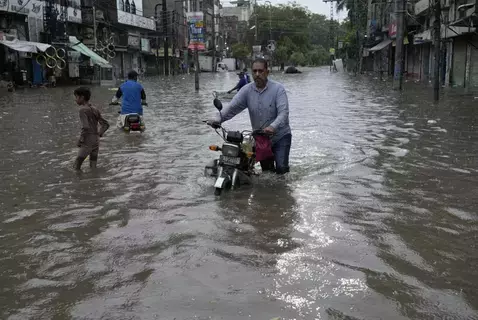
[214, 124]
[269, 131]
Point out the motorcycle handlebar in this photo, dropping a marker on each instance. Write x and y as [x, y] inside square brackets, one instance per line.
[214, 125]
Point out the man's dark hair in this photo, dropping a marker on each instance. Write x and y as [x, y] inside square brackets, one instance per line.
[83, 92]
[261, 60]
[132, 75]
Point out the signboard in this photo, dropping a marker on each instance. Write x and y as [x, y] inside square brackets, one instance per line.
[145, 45]
[196, 30]
[135, 20]
[134, 41]
[32, 8]
[160, 52]
[68, 13]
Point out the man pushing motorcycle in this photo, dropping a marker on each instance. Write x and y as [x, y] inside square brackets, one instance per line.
[268, 107]
[133, 95]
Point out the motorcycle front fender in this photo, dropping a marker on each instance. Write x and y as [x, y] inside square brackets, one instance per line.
[222, 179]
[220, 182]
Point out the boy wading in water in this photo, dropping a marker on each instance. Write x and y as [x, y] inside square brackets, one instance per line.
[90, 136]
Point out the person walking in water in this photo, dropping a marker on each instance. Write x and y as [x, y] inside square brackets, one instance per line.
[268, 107]
[89, 137]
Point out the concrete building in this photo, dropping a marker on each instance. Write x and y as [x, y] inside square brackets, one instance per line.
[459, 43]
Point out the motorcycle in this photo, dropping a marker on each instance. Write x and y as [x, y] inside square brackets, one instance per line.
[131, 121]
[237, 160]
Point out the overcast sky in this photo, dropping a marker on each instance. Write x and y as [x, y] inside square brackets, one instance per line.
[317, 6]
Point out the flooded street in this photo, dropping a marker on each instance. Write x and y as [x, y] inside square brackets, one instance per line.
[377, 219]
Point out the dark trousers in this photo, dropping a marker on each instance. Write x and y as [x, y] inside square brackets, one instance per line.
[280, 163]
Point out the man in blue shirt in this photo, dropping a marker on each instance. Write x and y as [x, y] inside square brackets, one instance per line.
[133, 95]
[268, 107]
[242, 82]
[246, 75]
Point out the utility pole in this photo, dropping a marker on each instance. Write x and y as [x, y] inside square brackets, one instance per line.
[156, 19]
[437, 40]
[398, 69]
[94, 26]
[174, 38]
[196, 58]
[166, 38]
[369, 18]
[213, 36]
[270, 19]
[358, 65]
[255, 22]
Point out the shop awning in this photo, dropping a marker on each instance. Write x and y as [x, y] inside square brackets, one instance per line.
[25, 46]
[76, 45]
[381, 45]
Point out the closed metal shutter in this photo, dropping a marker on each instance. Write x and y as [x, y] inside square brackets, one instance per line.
[459, 62]
[413, 62]
[474, 62]
[116, 63]
[425, 73]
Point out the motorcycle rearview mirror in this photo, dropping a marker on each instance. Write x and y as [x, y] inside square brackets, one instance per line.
[217, 104]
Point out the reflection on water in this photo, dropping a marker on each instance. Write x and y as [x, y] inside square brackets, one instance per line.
[377, 219]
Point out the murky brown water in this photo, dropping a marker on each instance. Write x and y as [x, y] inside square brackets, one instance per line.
[377, 220]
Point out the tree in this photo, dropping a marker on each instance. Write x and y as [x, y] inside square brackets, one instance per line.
[295, 30]
[240, 51]
[298, 58]
[281, 56]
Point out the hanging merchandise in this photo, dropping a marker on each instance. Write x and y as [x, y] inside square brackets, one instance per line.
[106, 48]
[127, 6]
[52, 58]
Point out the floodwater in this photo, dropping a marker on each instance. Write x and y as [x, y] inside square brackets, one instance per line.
[376, 220]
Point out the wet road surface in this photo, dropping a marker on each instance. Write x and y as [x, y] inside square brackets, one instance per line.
[377, 219]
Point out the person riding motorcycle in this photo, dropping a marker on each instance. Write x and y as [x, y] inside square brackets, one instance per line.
[242, 82]
[133, 95]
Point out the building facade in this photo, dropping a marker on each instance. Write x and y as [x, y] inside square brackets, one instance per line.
[458, 64]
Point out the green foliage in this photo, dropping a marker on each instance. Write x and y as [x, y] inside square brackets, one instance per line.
[240, 51]
[318, 56]
[281, 55]
[302, 37]
[298, 59]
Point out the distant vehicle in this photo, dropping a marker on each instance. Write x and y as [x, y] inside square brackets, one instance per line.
[292, 69]
[222, 67]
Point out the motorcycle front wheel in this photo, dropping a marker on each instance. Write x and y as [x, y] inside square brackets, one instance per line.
[217, 191]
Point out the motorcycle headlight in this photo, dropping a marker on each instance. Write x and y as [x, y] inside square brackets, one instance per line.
[230, 150]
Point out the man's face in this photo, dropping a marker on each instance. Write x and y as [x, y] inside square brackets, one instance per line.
[259, 73]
